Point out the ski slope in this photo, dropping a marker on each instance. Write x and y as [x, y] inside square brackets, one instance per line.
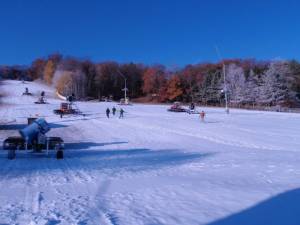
[152, 167]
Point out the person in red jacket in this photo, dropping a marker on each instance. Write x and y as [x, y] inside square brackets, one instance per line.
[202, 115]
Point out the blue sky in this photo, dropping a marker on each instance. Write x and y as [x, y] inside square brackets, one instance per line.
[171, 32]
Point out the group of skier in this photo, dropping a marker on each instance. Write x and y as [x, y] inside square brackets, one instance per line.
[114, 110]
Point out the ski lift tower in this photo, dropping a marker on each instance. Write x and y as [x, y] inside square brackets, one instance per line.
[125, 89]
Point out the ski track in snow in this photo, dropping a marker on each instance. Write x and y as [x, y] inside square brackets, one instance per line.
[152, 167]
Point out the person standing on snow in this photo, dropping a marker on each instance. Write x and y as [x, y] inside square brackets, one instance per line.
[121, 113]
[114, 110]
[202, 115]
[107, 112]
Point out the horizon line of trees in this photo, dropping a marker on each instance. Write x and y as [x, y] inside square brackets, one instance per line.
[248, 82]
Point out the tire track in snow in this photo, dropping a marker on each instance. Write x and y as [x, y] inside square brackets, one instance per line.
[98, 210]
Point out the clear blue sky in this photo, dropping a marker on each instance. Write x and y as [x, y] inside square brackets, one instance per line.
[171, 32]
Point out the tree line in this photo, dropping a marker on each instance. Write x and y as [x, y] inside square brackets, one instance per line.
[248, 83]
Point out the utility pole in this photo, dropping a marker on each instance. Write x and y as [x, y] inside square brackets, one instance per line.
[125, 89]
[224, 76]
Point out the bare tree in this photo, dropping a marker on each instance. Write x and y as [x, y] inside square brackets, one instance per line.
[236, 83]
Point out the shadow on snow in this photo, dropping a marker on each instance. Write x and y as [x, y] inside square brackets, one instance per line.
[21, 126]
[283, 209]
[108, 161]
[86, 145]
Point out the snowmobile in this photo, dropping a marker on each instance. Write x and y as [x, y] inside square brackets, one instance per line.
[33, 137]
[176, 107]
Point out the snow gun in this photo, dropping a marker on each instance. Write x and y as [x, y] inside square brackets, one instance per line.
[33, 136]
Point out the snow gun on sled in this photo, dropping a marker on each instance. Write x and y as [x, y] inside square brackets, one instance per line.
[68, 107]
[26, 92]
[33, 137]
[41, 99]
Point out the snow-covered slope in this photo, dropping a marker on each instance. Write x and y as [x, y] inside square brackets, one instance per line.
[152, 167]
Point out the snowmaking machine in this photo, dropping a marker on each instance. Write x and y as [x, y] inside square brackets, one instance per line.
[33, 137]
[41, 99]
[68, 107]
[27, 92]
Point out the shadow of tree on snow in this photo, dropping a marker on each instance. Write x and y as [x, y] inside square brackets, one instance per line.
[21, 126]
[110, 161]
[86, 145]
[283, 209]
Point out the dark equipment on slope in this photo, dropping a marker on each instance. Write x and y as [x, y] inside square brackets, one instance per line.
[33, 137]
[11, 154]
[59, 153]
[71, 98]
[26, 92]
[41, 100]
[176, 107]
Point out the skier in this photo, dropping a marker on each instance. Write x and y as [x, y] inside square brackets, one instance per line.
[114, 110]
[121, 113]
[202, 115]
[107, 112]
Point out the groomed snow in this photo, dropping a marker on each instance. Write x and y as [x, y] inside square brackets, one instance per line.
[152, 167]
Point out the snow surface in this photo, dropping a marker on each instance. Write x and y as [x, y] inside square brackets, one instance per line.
[152, 167]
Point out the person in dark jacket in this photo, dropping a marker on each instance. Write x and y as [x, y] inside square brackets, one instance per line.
[107, 112]
[114, 110]
[121, 113]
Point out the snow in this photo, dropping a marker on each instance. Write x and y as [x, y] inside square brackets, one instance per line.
[152, 167]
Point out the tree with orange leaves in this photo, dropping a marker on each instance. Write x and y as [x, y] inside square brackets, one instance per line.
[174, 88]
[153, 79]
